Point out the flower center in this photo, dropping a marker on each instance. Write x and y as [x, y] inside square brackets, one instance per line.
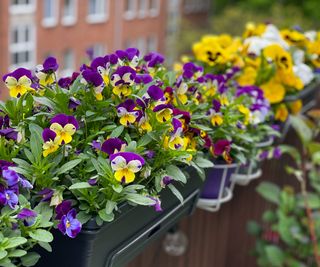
[68, 224]
[7, 196]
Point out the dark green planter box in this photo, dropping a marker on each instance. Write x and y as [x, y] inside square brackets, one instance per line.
[118, 242]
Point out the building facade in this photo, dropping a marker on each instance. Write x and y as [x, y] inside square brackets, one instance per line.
[31, 30]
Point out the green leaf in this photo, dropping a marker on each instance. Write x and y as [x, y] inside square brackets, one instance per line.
[117, 188]
[41, 235]
[176, 192]
[83, 217]
[269, 191]
[316, 158]
[17, 253]
[275, 255]
[29, 155]
[292, 151]
[3, 254]
[139, 199]
[176, 174]
[45, 101]
[146, 139]
[44, 211]
[15, 242]
[46, 246]
[80, 185]
[36, 141]
[68, 166]
[117, 131]
[106, 217]
[110, 205]
[204, 163]
[30, 259]
[302, 129]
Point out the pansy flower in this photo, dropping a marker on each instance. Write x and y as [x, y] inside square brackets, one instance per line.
[122, 80]
[18, 82]
[215, 117]
[102, 66]
[125, 165]
[157, 203]
[143, 78]
[67, 81]
[51, 142]
[10, 134]
[192, 71]
[8, 197]
[130, 56]
[155, 92]
[246, 112]
[127, 113]
[176, 141]
[46, 194]
[94, 79]
[153, 59]
[46, 72]
[184, 117]
[143, 123]
[64, 126]
[163, 112]
[113, 145]
[27, 216]
[10, 176]
[69, 224]
[181, 90]
[223, 148]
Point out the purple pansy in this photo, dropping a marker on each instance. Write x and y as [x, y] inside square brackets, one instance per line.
[128, 54]
[157, 204]
[18, 73]
[96, 145]
[153, 59]
[25, 183]
[218, 81]
[64, 119]
[150, 154]
[127, 113]
[92, 181]
[92, 77]
[112, 145]
[216, 105]
[73, 103]
[155, 92]
[264, 155]
[50, 65]
[277, 152]
[128, 156]
[166, 180]
[8, 197]
[9, 133]
[143, 78]
[69, 225]
[10, 176]
[27, 216]
[222, 146]
[48, 135]
[5, 164]
[46, 194]
[183, 115]
[64, 82]
[4, 121]
[63, 208]
[191, 70]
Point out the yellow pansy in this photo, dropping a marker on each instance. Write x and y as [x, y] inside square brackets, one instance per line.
[293, 37]
[248, 77]
[246, 112]
[122, 90]
[254, 30]
[295, 106]
[216, 119]
[314, 52]
[64, 133]
[164, 115]
[279, 56]
[281, 113]
[18, 87]
[50, 147]
[45, 79]
[273, 91]
[224, 100]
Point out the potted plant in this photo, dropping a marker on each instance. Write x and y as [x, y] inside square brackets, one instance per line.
[91, 146]
[290, 225]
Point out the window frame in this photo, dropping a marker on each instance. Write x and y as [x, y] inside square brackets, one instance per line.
[49, 22]
[99, 17]
[17, 9]
[69, 20]
[131, 14]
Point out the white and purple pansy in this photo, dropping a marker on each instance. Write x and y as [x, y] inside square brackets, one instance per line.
[127, 113]
[18, 82]
[64, 127]
[94, 79]
[103, 66]
[125, 165]
[129, 56]
[122, 80]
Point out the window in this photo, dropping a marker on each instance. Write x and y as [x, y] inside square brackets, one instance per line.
[154, 7]
[143, 6]
[98, 50]
[97, 11]
[69, 12]
[50, 13]
[141, 45]
[130, 8]
[68, 62]
[22, 6]
[152, 44]
[22, 45]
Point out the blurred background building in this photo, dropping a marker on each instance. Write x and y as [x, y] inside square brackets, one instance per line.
[74, 30]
